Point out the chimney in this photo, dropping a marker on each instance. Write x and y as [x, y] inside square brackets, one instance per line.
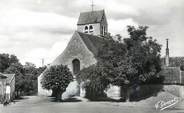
[167, 53]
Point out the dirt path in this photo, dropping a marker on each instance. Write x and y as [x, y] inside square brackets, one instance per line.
[36, 104]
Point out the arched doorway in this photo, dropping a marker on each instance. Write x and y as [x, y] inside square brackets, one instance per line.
[76, 66]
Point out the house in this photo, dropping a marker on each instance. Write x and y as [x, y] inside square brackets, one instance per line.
[7, 85]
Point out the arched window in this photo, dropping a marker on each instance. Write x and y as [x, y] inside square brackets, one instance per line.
[86, 29]
[76, 66]
[91, 29]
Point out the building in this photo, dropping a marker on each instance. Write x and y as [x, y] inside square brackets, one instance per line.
[82, 49]
[172, 73]
[7, 85]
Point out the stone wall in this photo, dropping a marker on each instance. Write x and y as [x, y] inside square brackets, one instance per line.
[76, 49]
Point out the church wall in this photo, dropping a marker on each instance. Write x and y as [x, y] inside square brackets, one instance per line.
[96, 28]
[76, 49]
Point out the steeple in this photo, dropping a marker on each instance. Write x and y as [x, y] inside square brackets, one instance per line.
[167, 53]
[93, 22]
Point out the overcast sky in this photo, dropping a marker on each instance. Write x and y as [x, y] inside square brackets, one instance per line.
[36, 29]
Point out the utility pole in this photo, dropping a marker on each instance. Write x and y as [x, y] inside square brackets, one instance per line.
[42, 62]
[92, 6]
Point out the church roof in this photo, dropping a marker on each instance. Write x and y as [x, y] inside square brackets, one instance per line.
[90, 17]
[93, 43]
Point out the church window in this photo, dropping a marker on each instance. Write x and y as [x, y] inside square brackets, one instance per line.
[86, 29]
[91, 29]
[76, 66]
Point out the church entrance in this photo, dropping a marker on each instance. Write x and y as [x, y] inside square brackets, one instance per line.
[76, 66]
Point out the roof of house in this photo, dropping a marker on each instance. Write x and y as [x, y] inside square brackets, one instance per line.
[171, 75]
[93, 43]
[2, 76]
[90, 17]
[9, 77]
[174, 61]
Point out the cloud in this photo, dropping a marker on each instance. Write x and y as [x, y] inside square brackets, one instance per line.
[48, 54]
[35, 29]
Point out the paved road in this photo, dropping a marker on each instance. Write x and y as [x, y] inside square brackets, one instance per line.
[35, 104]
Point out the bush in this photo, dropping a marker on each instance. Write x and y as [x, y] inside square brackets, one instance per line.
[57, 79]
[95, 82]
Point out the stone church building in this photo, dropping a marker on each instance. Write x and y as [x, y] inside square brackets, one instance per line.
[83, 47]
[82, 51]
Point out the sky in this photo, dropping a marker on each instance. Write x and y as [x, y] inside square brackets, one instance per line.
[41, 29]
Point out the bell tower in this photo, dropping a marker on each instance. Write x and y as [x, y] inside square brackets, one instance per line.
[93, 23]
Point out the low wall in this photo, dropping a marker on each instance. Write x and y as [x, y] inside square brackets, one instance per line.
[145, 91]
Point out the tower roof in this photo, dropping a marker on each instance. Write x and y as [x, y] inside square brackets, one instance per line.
[90, 17]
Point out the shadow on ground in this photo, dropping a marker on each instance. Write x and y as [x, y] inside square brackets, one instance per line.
[20, 99]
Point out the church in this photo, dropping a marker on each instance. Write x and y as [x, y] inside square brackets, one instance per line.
[83, 47]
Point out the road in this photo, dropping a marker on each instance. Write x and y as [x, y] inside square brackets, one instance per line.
[36, 104]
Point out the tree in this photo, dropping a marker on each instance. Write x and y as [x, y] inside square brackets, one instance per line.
[57, 78]
[17, 69]
[134, 62]
[95, 80]
[6, 60]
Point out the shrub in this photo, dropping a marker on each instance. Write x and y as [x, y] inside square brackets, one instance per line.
[57, 78]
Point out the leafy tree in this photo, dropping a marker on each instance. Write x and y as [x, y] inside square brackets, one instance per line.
[134, 62]
[57, 78]
[6, 60]
[18, 70]
[95, 80]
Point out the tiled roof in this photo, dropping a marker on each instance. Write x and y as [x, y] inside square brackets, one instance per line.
[174, 61]
[93, 43]
[90, 17]
[171, 75]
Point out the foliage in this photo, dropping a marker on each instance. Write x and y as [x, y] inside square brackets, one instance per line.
[135, 61]
[18, 70]
[25, 76]
[95, 80]
[57, 78]
[6, 60]
[30, 74]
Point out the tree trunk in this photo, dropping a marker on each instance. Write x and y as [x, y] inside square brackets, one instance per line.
[58, 95]
[54, 93]
[124, 93]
